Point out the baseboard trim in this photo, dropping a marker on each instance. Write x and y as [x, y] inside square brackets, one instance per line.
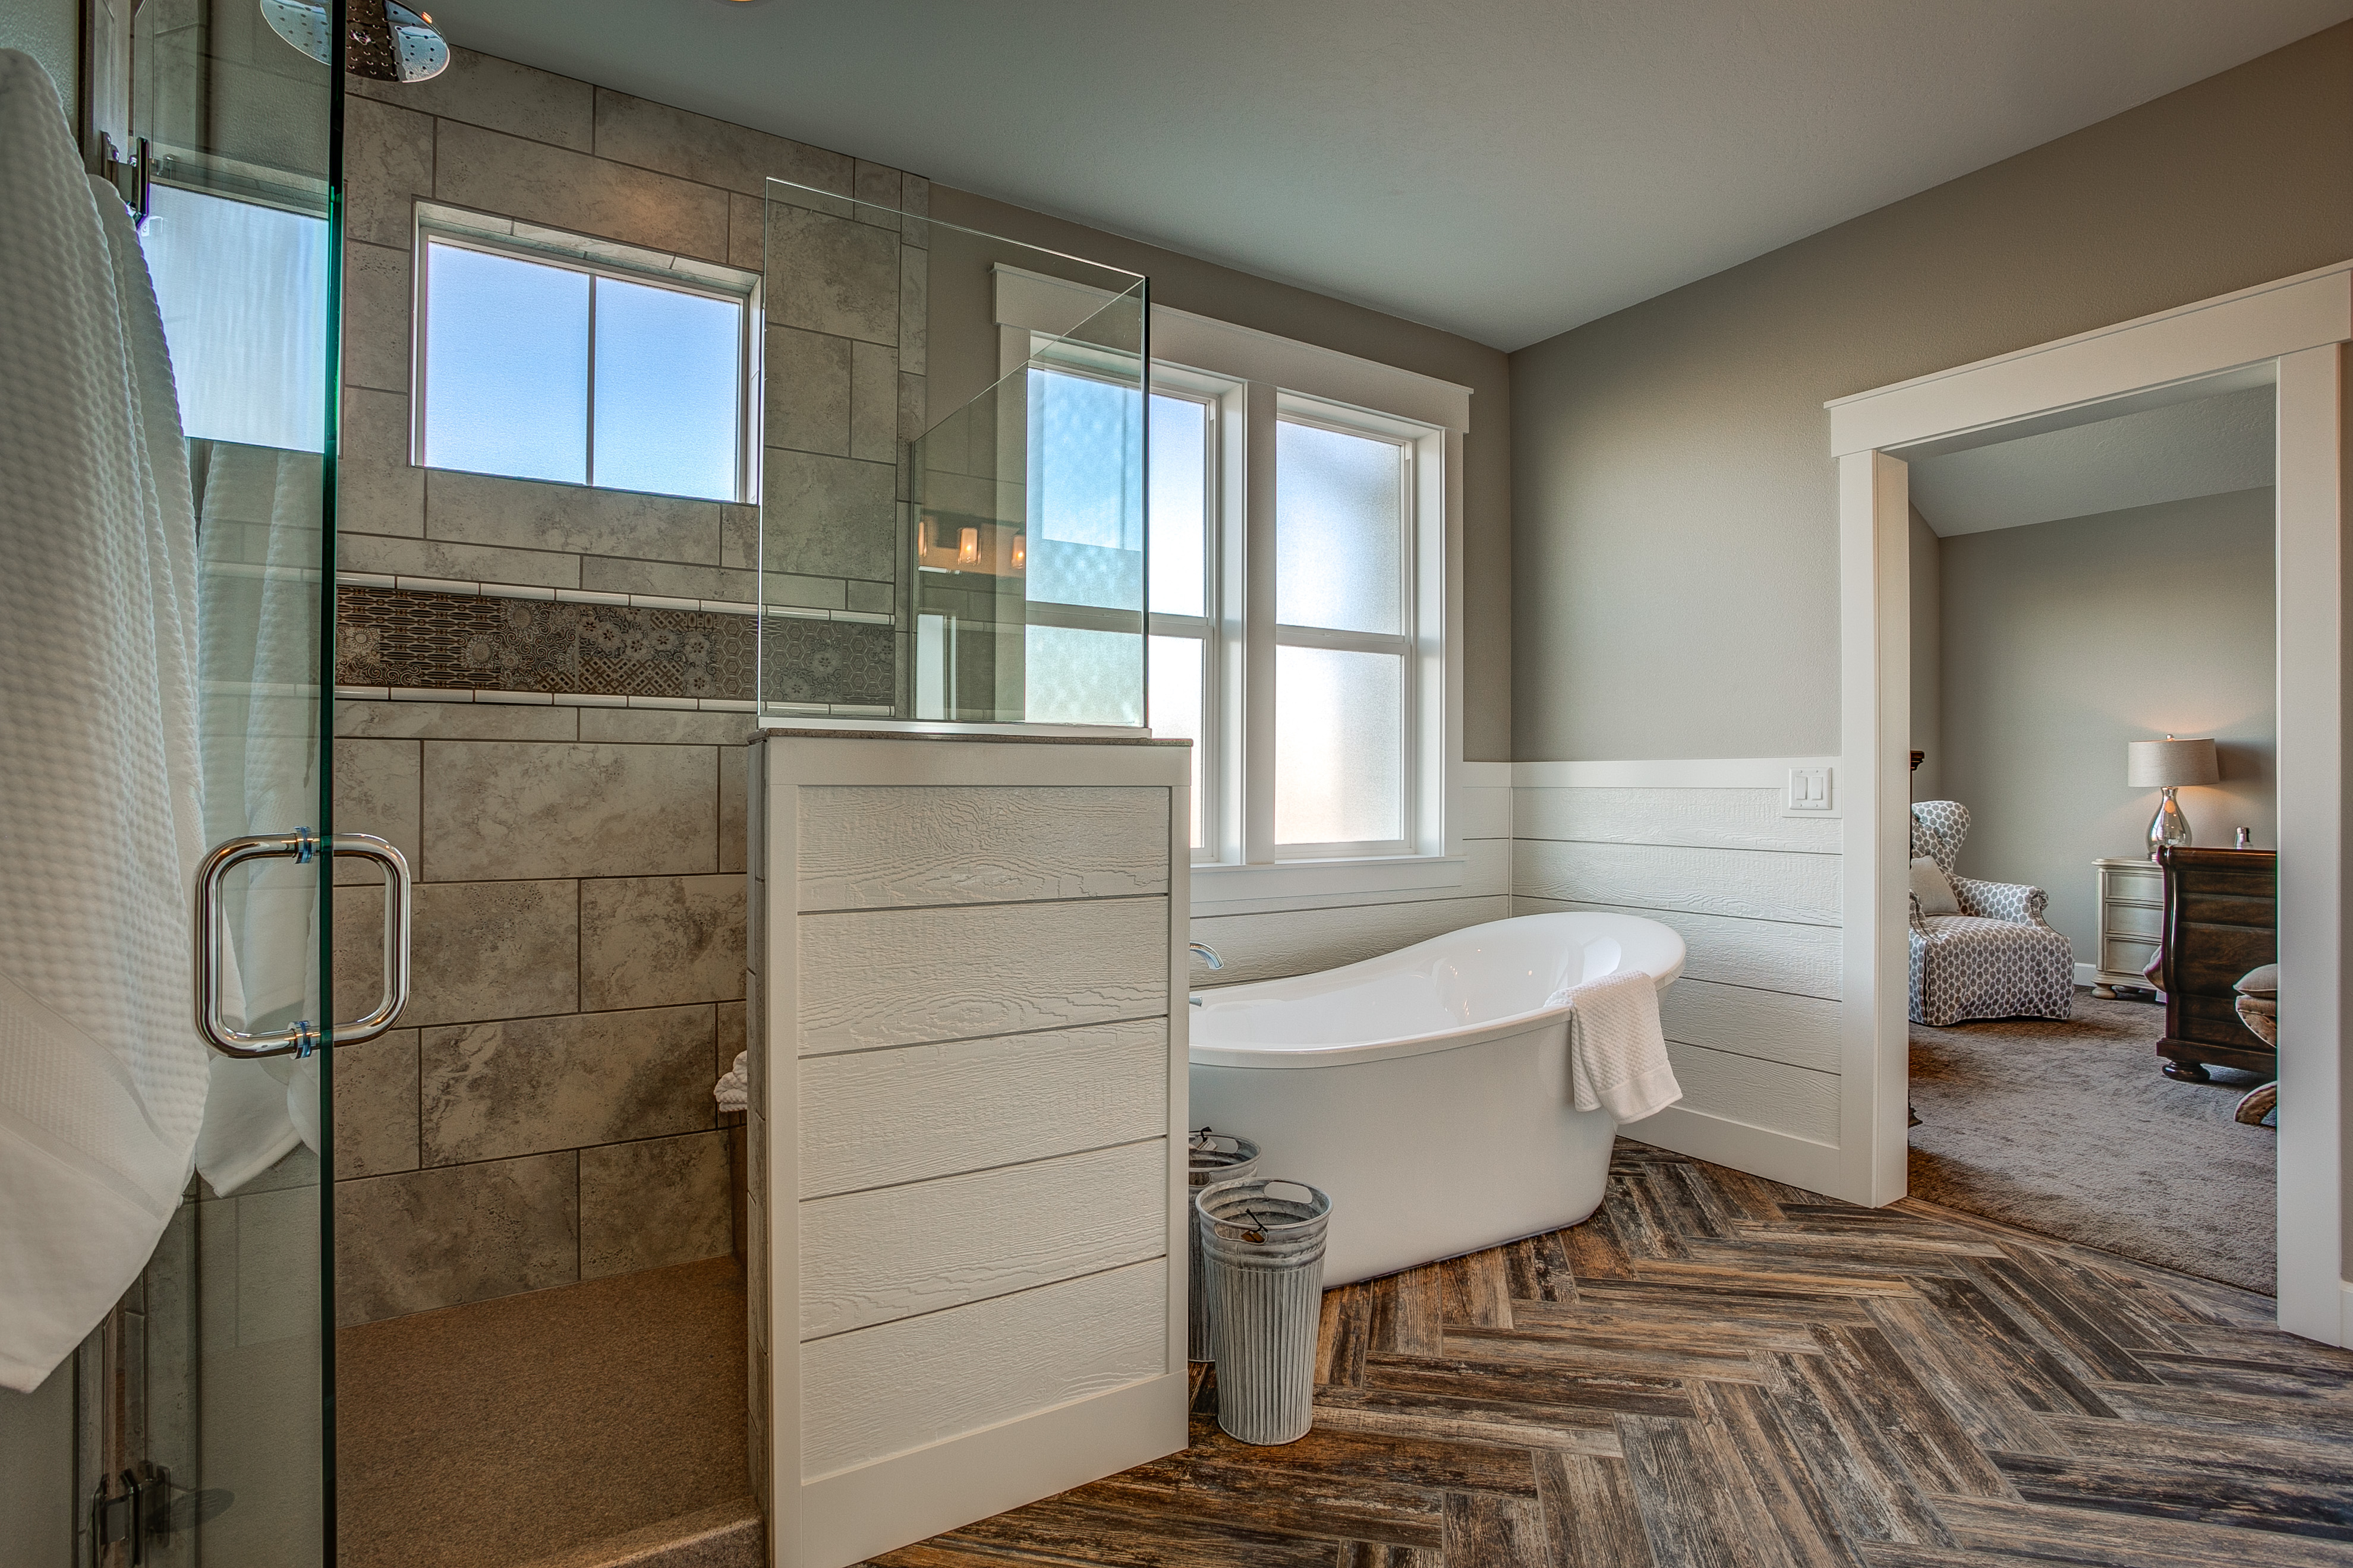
[1761, 1151]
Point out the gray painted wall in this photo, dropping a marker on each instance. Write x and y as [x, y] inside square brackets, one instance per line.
[2064, 641]
[1927, 660]
[49, 31]
[1206, 288]
[1674, 564]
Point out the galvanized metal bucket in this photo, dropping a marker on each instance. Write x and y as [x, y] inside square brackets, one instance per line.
[1210, 1156]
[1262, 1240]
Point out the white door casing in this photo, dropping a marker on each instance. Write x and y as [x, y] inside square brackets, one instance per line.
[2294, 334]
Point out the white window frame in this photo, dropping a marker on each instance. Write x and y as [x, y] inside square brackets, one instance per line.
[1252, 379]
[517, 241]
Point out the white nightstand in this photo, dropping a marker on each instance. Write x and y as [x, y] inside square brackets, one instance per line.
[2132, 923]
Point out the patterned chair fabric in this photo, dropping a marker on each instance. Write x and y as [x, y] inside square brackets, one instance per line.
[1995, 959]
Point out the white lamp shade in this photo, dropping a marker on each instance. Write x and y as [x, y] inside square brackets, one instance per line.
[2154, 764]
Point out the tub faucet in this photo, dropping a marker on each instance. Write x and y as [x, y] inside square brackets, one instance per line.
[1208, 956]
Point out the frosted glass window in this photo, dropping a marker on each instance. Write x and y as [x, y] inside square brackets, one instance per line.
[506, 362]
[1072, 676]
[1339, 747]
[1175, 685]
[243, 291]
[666, 390]
[542, 372]
[1339, 530]
[1180, 506]
[1085, 503]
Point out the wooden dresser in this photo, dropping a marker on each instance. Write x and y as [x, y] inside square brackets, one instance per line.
[2132, 922]
[2221, 917]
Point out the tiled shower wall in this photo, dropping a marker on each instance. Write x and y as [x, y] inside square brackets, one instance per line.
[843, 355]
[544, 1114]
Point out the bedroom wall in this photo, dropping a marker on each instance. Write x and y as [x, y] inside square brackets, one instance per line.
[2061, 642]
[1927, 660]
[1674, 514]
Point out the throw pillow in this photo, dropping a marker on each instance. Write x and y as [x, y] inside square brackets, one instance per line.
[2263, 982]
[1931, 887]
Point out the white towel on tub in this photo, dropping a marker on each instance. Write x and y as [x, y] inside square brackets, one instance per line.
[1617, 1052]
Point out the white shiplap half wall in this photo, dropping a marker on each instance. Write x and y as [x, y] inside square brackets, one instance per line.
[1707, 847]
[1305, 932]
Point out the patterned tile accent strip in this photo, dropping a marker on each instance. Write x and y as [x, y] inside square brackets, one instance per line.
[469, 642]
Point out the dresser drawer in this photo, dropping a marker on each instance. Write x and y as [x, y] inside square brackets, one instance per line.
[2123, 955]
[2134, 919]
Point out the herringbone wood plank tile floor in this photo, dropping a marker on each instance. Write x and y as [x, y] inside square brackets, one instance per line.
[1720, 1372]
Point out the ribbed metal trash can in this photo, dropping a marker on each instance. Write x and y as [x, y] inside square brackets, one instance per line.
[1210, 1156]
[1262, 1241]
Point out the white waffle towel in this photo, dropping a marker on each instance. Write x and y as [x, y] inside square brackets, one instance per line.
[1617, 1052]
[733, 1091]
[102, 1079]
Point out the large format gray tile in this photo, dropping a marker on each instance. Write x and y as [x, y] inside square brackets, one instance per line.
[651, 941]
[652, 1204]
[571, 191]
[874, 404]
[375, 1106]
[713, 152]
[832, 275]
[377, 489]
[375, 792]
[457, 720]
[609, 575]
[829, 517]
[914, 310]
[747, 232]
[482, 950]
[527, 514]
[427, 1239]
[879, 185]
[461, 562]
[732, 764]
[666, 727]
[738, 537]
[806, 383]
[490, 1090]
[388, 163]
[493, 809]
[500, 95]
[376, 317]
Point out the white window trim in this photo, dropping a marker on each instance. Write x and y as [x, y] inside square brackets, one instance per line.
[438, 223]
[1254, 372]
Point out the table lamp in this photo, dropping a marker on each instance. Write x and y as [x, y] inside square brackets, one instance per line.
[2168, 764]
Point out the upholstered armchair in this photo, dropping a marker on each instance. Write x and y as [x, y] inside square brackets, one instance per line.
[1995, 959]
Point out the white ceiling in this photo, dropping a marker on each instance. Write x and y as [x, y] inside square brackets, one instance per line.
[2208, 446]
[1505, 169]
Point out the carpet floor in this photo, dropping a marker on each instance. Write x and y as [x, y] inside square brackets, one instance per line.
[2068, 1128]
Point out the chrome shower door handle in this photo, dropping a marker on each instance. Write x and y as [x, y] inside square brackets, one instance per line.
[301, 1038]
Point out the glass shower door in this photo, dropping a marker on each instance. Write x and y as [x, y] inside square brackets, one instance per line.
[213, 1382]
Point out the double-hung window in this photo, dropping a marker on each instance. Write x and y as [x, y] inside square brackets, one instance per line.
[1297, 595]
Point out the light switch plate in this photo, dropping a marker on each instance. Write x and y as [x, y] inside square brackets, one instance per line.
[1810, 793]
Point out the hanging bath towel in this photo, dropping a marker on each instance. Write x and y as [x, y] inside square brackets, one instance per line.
[102, 1079]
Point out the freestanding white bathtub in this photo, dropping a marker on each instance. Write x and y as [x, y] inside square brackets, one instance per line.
[1427, 1090]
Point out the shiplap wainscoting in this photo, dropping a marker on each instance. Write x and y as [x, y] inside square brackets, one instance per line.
[1753, 1026]
[967, 1096]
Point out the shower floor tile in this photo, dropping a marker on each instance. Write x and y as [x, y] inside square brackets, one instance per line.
[533, 1429]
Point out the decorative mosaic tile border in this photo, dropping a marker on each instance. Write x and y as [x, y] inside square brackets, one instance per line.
[534, 645]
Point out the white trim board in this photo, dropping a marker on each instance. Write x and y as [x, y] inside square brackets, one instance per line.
[2300, 328]
[1668, 772]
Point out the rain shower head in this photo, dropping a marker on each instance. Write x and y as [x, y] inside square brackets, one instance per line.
[383, 38]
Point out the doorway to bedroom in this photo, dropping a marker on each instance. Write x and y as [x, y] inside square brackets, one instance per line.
[2093, 649]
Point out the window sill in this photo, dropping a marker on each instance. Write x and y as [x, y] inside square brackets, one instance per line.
[1223, 885]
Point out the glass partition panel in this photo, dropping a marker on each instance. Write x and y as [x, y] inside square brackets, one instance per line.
[988, 566]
